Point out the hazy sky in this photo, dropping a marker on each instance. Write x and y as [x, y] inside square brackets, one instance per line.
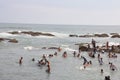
[98, 12]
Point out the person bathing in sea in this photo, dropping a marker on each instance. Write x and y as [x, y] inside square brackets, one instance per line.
[48, 67]
[20, 60]
[74, 53]
[112, 67]
[85, 60]
[100, 60]
[64, 54]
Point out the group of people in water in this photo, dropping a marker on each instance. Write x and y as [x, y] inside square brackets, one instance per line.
[44, 61]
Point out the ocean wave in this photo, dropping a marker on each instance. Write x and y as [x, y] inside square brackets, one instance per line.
[60, 35]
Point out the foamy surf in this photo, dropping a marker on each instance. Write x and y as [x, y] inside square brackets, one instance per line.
[60, 35]
[4, 34]
[43, 37]
[113, 43]
[69, 49]
[30, 48]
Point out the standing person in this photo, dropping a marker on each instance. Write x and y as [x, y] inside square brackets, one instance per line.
[93, 43]
[59, 49]
[85, 60]
[20, 60]
[74, 53]
[79, 49]
[100, 61]
[48, 67]
[107, 45]
[88, 47]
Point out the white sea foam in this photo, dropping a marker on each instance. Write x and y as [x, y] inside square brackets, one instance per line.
[69, 49]
[60, 35]
[113, 43]
[43, 37]
[4, 34]
[30, 48]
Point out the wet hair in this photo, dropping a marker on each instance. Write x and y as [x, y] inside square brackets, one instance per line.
[107, 77]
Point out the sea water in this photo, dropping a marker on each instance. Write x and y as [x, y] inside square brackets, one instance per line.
[69, 68]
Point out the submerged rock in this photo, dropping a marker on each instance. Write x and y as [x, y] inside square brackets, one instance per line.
[9, 40]
[13, 40]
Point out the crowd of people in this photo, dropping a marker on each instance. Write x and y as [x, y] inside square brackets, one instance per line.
[45, 62]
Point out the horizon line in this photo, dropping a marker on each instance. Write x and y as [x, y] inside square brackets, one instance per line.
[61, 24]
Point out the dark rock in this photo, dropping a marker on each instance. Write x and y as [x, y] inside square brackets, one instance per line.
[53, 48]
[14, 32]
[44, 47]
[2, 39]
[86, 36]
[115, 36]
[101, 35]
[83, 48]
[31, 33]
[73, 35]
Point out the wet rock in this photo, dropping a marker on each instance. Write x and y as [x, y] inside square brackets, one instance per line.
[14, 32]
[73, 35]
[2, 39]
[115, 36]
[83, 48]
[86, 36]
[101, 35]
[31, 33]
[53, 48]
[44, 47]
[13, 41]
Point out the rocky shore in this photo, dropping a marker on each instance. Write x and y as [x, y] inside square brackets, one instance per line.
[9, 40]
[112, 35]
[86, 47]
[31, 33]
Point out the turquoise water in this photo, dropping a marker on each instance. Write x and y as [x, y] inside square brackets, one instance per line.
[61, 69]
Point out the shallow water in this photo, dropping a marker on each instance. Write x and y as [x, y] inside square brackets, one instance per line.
[61, 68]
[69, 68]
